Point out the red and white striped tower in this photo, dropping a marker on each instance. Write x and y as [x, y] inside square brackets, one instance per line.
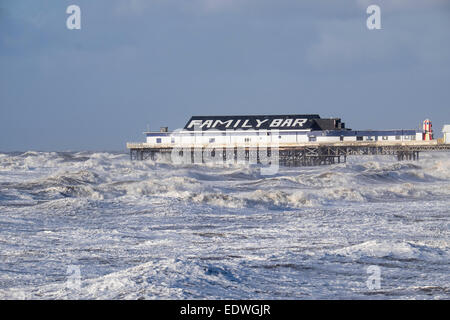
[427, 130]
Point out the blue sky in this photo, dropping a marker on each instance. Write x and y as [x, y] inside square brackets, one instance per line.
[157, 62]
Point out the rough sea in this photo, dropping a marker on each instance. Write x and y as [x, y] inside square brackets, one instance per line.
[92, 225]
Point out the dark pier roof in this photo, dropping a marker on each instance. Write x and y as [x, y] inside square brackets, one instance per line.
[264, 122]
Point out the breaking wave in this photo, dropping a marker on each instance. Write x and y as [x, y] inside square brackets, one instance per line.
[146, 229]
[35, 177]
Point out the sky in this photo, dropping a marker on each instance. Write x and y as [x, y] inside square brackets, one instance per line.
[138, 64]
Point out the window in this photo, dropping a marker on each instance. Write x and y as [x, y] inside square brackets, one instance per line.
[397, 137]
[279, 137]
[212, 140]
[407, 137]
[385, 137]
[312, 138]
[158, 140]
[268, 133]
[247, 139]
[359, 138]
[172, 140]
[413, 137]
[341, 138]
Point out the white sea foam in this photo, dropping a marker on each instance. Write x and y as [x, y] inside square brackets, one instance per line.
[155, 230]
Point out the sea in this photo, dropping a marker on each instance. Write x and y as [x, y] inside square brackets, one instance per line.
[95, 225]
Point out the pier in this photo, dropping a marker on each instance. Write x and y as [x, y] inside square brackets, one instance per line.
[288, 154]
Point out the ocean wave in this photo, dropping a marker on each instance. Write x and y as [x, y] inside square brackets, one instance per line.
[403, 250]
[161, 278]
[151, 229]
[52, 176]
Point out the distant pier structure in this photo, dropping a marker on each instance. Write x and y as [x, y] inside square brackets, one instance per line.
[291, 140]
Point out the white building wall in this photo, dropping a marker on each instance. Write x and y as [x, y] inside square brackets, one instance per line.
[287, 138]
[252, 138]
[419, 136]
[243, 137]
[446, 131]
[370, 138]
[264, 138]
[328, 139]
[392, 138]
[164, 140]
[185, 139]
[302, 137]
